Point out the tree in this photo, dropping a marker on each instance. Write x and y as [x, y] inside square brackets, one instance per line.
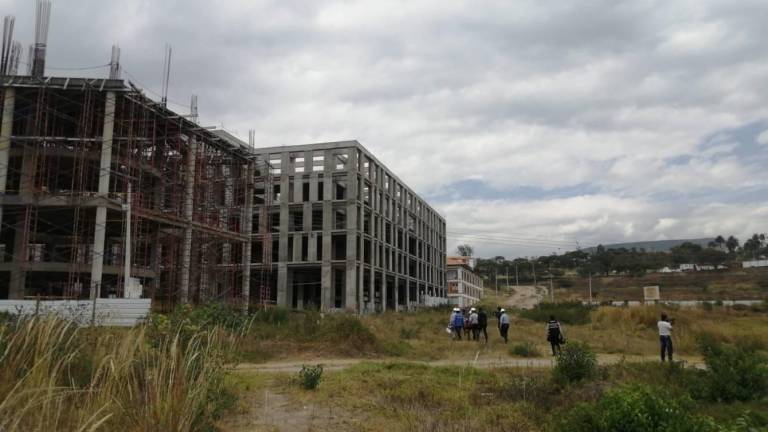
[732, 244]
[720, 241]
[465, 250]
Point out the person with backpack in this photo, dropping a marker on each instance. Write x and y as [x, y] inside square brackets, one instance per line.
[555, 335]
[503, 324]
[482, 324]
[456, 323]
[473, 323]
[665, 336]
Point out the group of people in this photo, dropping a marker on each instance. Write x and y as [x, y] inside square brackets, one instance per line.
[474, 322]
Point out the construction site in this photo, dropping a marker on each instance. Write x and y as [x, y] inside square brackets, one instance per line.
[107, 193]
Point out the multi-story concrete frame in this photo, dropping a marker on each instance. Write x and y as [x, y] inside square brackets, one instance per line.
[465, 287]
[75, 155]
[343, 232]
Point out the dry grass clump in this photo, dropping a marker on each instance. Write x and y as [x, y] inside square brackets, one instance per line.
[54, 376]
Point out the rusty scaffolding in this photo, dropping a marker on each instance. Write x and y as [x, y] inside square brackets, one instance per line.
[71, 149]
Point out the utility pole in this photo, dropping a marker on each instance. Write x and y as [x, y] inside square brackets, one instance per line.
[496, 281]
[507, 280]
[551, 288]
[517, 281]
[533, 266]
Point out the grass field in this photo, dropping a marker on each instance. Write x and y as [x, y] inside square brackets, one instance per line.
[178, 372]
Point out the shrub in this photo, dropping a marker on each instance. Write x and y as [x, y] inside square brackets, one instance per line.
[310, 376]
[348, 333]
[567, 312]
[575, 362]
[273, 315]
[734, 371]
[525, 349]
[409, 333]
[634, 409]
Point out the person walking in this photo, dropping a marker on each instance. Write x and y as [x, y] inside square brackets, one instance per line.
[467, 329]
[473, 323]
[456, 323]
[555, 335]
[482, 324]
[503, 324]
[665, 337]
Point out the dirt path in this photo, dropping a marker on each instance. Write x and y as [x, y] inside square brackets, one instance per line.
[525, 296]
[484, 363]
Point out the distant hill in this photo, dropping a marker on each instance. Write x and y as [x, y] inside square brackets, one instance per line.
[653, 246]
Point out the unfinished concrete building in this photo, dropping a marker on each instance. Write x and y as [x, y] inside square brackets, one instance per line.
[103, 190]
[333, 228]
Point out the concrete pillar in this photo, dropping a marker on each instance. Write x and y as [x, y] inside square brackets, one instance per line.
[247, 228]
[186, 247]
[105, 169]
[284, 291]
[6, 130]
[354, 279]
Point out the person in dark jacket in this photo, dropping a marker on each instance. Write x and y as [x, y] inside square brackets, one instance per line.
[555, 335]
[482, 324]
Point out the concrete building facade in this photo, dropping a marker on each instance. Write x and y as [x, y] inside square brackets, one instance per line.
[333, 228]
[465, 288]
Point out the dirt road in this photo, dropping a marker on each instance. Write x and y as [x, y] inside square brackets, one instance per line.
[484, 363]
[525, 296]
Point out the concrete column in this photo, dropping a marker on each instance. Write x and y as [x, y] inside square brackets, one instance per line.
[105, 169]
[247, 228]
[186, 247]
[297, 247]
[354, 279]
[284, 286]
[6, 130]
[284, 291]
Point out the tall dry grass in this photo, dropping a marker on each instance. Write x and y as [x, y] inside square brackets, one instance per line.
[55, 376]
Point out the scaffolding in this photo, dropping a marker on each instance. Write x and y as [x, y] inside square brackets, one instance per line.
[70, 148]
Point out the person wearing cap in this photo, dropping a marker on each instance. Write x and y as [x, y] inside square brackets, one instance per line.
[456, 323]
[473, 323]
[503, 324]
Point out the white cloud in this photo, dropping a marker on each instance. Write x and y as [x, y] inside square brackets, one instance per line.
[763, 138]
[620, 100]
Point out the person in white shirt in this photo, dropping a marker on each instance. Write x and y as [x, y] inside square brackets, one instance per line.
[665, 337]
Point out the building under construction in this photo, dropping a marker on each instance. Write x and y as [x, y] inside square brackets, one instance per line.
[102, 187]
[335, 229]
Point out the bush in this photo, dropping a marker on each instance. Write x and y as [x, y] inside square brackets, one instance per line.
[575, 362]
[348, 333]
[310, 376]
[525, 349]
[634, 409]
[567, 312]
[734, 371]
[273, 315]
[409, 333]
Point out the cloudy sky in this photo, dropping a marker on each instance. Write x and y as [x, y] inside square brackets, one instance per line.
[530, 125]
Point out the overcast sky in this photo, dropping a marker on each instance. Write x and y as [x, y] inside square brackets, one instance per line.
[533, 124]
